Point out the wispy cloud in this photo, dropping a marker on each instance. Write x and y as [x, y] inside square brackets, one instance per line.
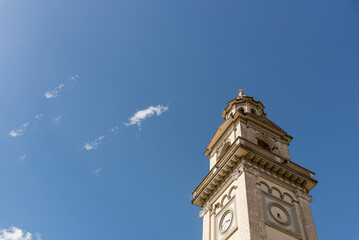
[55, 92]
[74, 77]
[38, 236]
[93, 145]
[115, 129]
[56, 120]
[96, 172]
[19, 131]
[14, 233]
[38, 116]
[21, 158]
[141, 115]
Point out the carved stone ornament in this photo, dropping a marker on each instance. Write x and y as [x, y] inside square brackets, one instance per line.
[203, 212]
[205, 209]
[303, 195]
[214, 210]
[248, 169]
[253, 171]
[236, 174]
[242, 166]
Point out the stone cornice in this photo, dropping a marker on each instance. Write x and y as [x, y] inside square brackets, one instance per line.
[255, 159]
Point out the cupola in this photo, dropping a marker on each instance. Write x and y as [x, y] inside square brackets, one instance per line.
[243, 104]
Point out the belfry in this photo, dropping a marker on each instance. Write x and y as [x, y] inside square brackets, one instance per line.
[253, 191]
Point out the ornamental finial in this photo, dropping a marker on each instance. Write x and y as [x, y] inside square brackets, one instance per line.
[240, 93]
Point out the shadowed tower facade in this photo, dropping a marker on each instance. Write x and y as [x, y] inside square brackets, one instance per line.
[253, 190]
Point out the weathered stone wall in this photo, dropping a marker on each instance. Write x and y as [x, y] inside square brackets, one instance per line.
[274, 234]
[255, 208]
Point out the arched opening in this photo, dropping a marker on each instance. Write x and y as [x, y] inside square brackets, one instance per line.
[253, 111]
[265, 142]
[224, 149]
[241, 110]
[264, 145]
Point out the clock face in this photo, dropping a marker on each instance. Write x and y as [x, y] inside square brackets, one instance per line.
[225, 221]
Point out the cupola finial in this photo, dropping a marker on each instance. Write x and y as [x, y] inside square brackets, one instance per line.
[240, 93]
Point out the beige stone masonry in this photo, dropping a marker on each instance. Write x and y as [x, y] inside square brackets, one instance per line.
[253, 190]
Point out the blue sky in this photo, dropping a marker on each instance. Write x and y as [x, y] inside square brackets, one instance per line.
[78, 163]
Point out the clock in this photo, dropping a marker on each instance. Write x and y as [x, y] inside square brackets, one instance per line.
[226, 221]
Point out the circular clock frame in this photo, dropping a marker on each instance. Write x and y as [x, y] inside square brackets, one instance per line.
[222, 219]
[283, 210]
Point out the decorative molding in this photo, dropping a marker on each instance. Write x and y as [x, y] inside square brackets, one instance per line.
[275, 179]
[291, 226]
[245, 168]
[223, 139]
[280, 193]
[253, 171]
[265, 184]
[311, 176]
[219, 205]
[214, 209]
[303, 195]
[290, 196]
[270, 191]
[223, 198]
[236, 174]
[245, 156]
[203, 212]
[206, 208]
[230, 191]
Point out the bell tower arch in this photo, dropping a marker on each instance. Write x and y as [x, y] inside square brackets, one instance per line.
[253, 190]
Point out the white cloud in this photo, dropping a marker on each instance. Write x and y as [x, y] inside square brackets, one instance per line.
[54, 93]
[56, 120]
[94, 144]
[21, 158]
[19, 131]
[141, 115]
[74, 77]
[38, 116]
[115, 129]
[38, 236]
[14, 233]
[96, 172]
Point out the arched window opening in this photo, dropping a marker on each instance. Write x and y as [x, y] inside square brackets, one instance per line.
[224, 149]
[253, 111]
[263, 144]
[241, 110]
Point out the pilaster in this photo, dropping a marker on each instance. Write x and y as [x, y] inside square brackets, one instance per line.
[308, 221]
[205, 215]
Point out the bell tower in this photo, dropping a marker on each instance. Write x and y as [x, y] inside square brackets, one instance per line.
[253, 190]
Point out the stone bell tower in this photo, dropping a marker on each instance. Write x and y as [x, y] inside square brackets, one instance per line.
[253, 190]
